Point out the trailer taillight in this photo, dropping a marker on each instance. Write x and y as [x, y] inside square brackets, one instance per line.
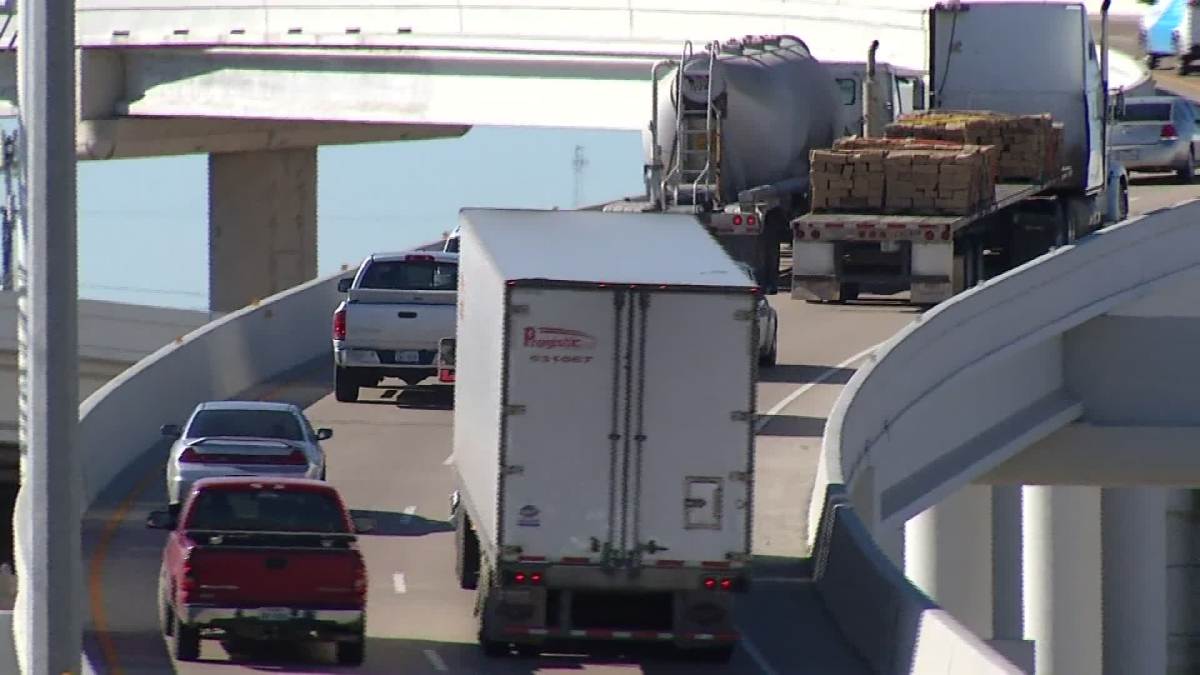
[723, 583]
[524, 578]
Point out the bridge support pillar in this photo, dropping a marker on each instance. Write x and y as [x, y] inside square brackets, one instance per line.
[1007, 623]
[1062, 562]
[1135, 580]
[262, 224]
[948, 554]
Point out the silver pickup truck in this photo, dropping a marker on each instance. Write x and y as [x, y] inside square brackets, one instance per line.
[398, 314]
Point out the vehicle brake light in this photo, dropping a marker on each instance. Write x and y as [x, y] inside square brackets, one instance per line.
[737, 220]
[710, 583]
[1169, 133]
[339, 324]
[418, 257]
[749, 220]
[445, 375]
[360, 577]
[726, 584]
[293, 458]
[519, 577]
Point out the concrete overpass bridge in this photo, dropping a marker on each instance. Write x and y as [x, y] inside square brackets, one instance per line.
[262, 349]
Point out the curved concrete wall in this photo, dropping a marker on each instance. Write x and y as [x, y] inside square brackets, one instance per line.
[968, 385]
[218, 360]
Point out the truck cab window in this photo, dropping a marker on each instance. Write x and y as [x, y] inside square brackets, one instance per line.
[849, 89]
[404, 275]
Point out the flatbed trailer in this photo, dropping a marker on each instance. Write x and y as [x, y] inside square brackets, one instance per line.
[835, 256]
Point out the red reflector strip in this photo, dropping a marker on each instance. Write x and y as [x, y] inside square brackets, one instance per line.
[896, 226]
[865, 226]
[837, 226]
[571, 560]
[715, 564]
[532, 558]
[668, 563]
[608, 634]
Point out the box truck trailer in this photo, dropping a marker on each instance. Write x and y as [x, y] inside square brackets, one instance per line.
[603, 434]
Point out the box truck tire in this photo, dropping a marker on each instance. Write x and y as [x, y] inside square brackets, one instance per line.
[720, 654]
[345, 385]
[466, 553]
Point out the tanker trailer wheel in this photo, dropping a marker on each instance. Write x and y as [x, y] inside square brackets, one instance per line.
[466, 553]
[847, 291]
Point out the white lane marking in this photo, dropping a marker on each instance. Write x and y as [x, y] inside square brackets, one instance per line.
[399, 584]
[410, 510]
[765, 419]
[436, 661]
[448, 461]
[757, 657]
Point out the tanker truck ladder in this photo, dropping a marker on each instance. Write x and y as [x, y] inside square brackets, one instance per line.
[697, 136]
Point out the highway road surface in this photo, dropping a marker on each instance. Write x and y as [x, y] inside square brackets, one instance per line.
[389, 457]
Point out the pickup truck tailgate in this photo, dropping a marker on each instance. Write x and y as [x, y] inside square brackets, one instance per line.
[399, 319]
[266, 570]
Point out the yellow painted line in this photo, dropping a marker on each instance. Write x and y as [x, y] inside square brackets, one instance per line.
[100, 554]
[96, 569]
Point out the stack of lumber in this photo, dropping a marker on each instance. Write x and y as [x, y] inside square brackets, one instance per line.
[902, 176]
[1029, 146]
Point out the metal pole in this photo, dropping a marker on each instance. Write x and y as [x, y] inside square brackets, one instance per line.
[49, 569]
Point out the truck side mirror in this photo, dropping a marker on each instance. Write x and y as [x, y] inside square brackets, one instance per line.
[324, 434]
[170, 430]
[344, 284]
[160, 520]
[363, 524]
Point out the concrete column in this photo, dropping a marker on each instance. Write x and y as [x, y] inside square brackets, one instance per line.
[262, 224]
[1135, 580]
[948, 554]
[1062, 593]
[1007, 623]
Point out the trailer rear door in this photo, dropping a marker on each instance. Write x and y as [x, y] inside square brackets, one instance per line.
[689, 495]
[565, 403]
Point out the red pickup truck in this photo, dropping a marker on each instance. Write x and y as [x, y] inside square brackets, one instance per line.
[261, 558]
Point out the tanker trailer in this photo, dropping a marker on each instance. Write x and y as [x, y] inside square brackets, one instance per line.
[729, 140]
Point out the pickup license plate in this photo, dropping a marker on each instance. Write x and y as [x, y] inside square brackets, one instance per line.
[274, 613]
[409, 356]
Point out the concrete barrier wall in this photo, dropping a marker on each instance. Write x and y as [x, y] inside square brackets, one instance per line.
[216, 361]
[985, 358]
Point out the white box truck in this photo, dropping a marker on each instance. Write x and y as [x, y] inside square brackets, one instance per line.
[603, 432]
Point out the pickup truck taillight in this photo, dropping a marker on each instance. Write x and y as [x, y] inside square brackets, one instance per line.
[360, 577]
[187, 578]
[339, 324]
[1169, 133]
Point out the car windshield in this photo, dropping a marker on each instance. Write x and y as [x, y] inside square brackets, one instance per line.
[408, 275]
[267, 510]
[279, 424]
[1145, 112]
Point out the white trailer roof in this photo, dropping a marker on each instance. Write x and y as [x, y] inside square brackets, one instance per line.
[594, 246]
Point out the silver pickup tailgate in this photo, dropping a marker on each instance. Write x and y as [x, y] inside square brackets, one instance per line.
[399, 320]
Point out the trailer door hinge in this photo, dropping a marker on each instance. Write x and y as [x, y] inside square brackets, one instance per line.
[740, 416]
[514, 409]
[518, 309]
[513, 469]
[743, 315]
[743, 476]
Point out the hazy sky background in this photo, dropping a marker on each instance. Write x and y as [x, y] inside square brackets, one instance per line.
[150, 246]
